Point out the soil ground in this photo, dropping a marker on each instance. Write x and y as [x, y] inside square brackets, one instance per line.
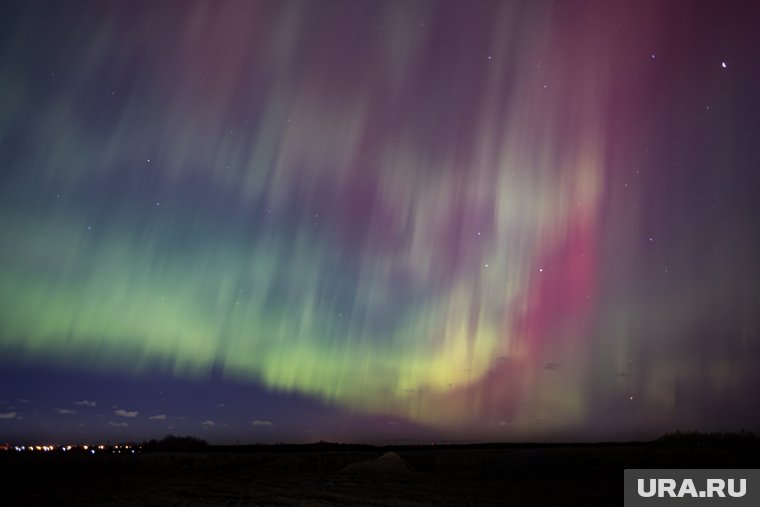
[409, 476]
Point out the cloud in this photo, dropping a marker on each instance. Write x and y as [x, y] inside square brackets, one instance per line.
[118, 424]
[221, 405]
[159, 417]
[8, 415]
[124, 413]
[551, 366]
[502, 423]
[85, 403]
[257, 422]
[208, 424]
[64, 411]
[23, 400]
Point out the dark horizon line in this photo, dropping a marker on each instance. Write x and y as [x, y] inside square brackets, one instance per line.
[197, 444]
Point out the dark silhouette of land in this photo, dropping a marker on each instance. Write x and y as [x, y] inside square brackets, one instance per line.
[187, 471]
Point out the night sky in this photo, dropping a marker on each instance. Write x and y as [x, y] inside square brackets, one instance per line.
[378, 221]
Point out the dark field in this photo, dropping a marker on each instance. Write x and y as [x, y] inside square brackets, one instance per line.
[318, 475]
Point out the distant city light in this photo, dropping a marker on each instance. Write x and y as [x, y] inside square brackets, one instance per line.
[115, 449]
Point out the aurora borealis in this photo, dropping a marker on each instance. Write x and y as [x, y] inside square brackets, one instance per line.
[474, 220]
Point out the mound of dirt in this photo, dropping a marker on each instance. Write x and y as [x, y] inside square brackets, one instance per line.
[388, 463]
